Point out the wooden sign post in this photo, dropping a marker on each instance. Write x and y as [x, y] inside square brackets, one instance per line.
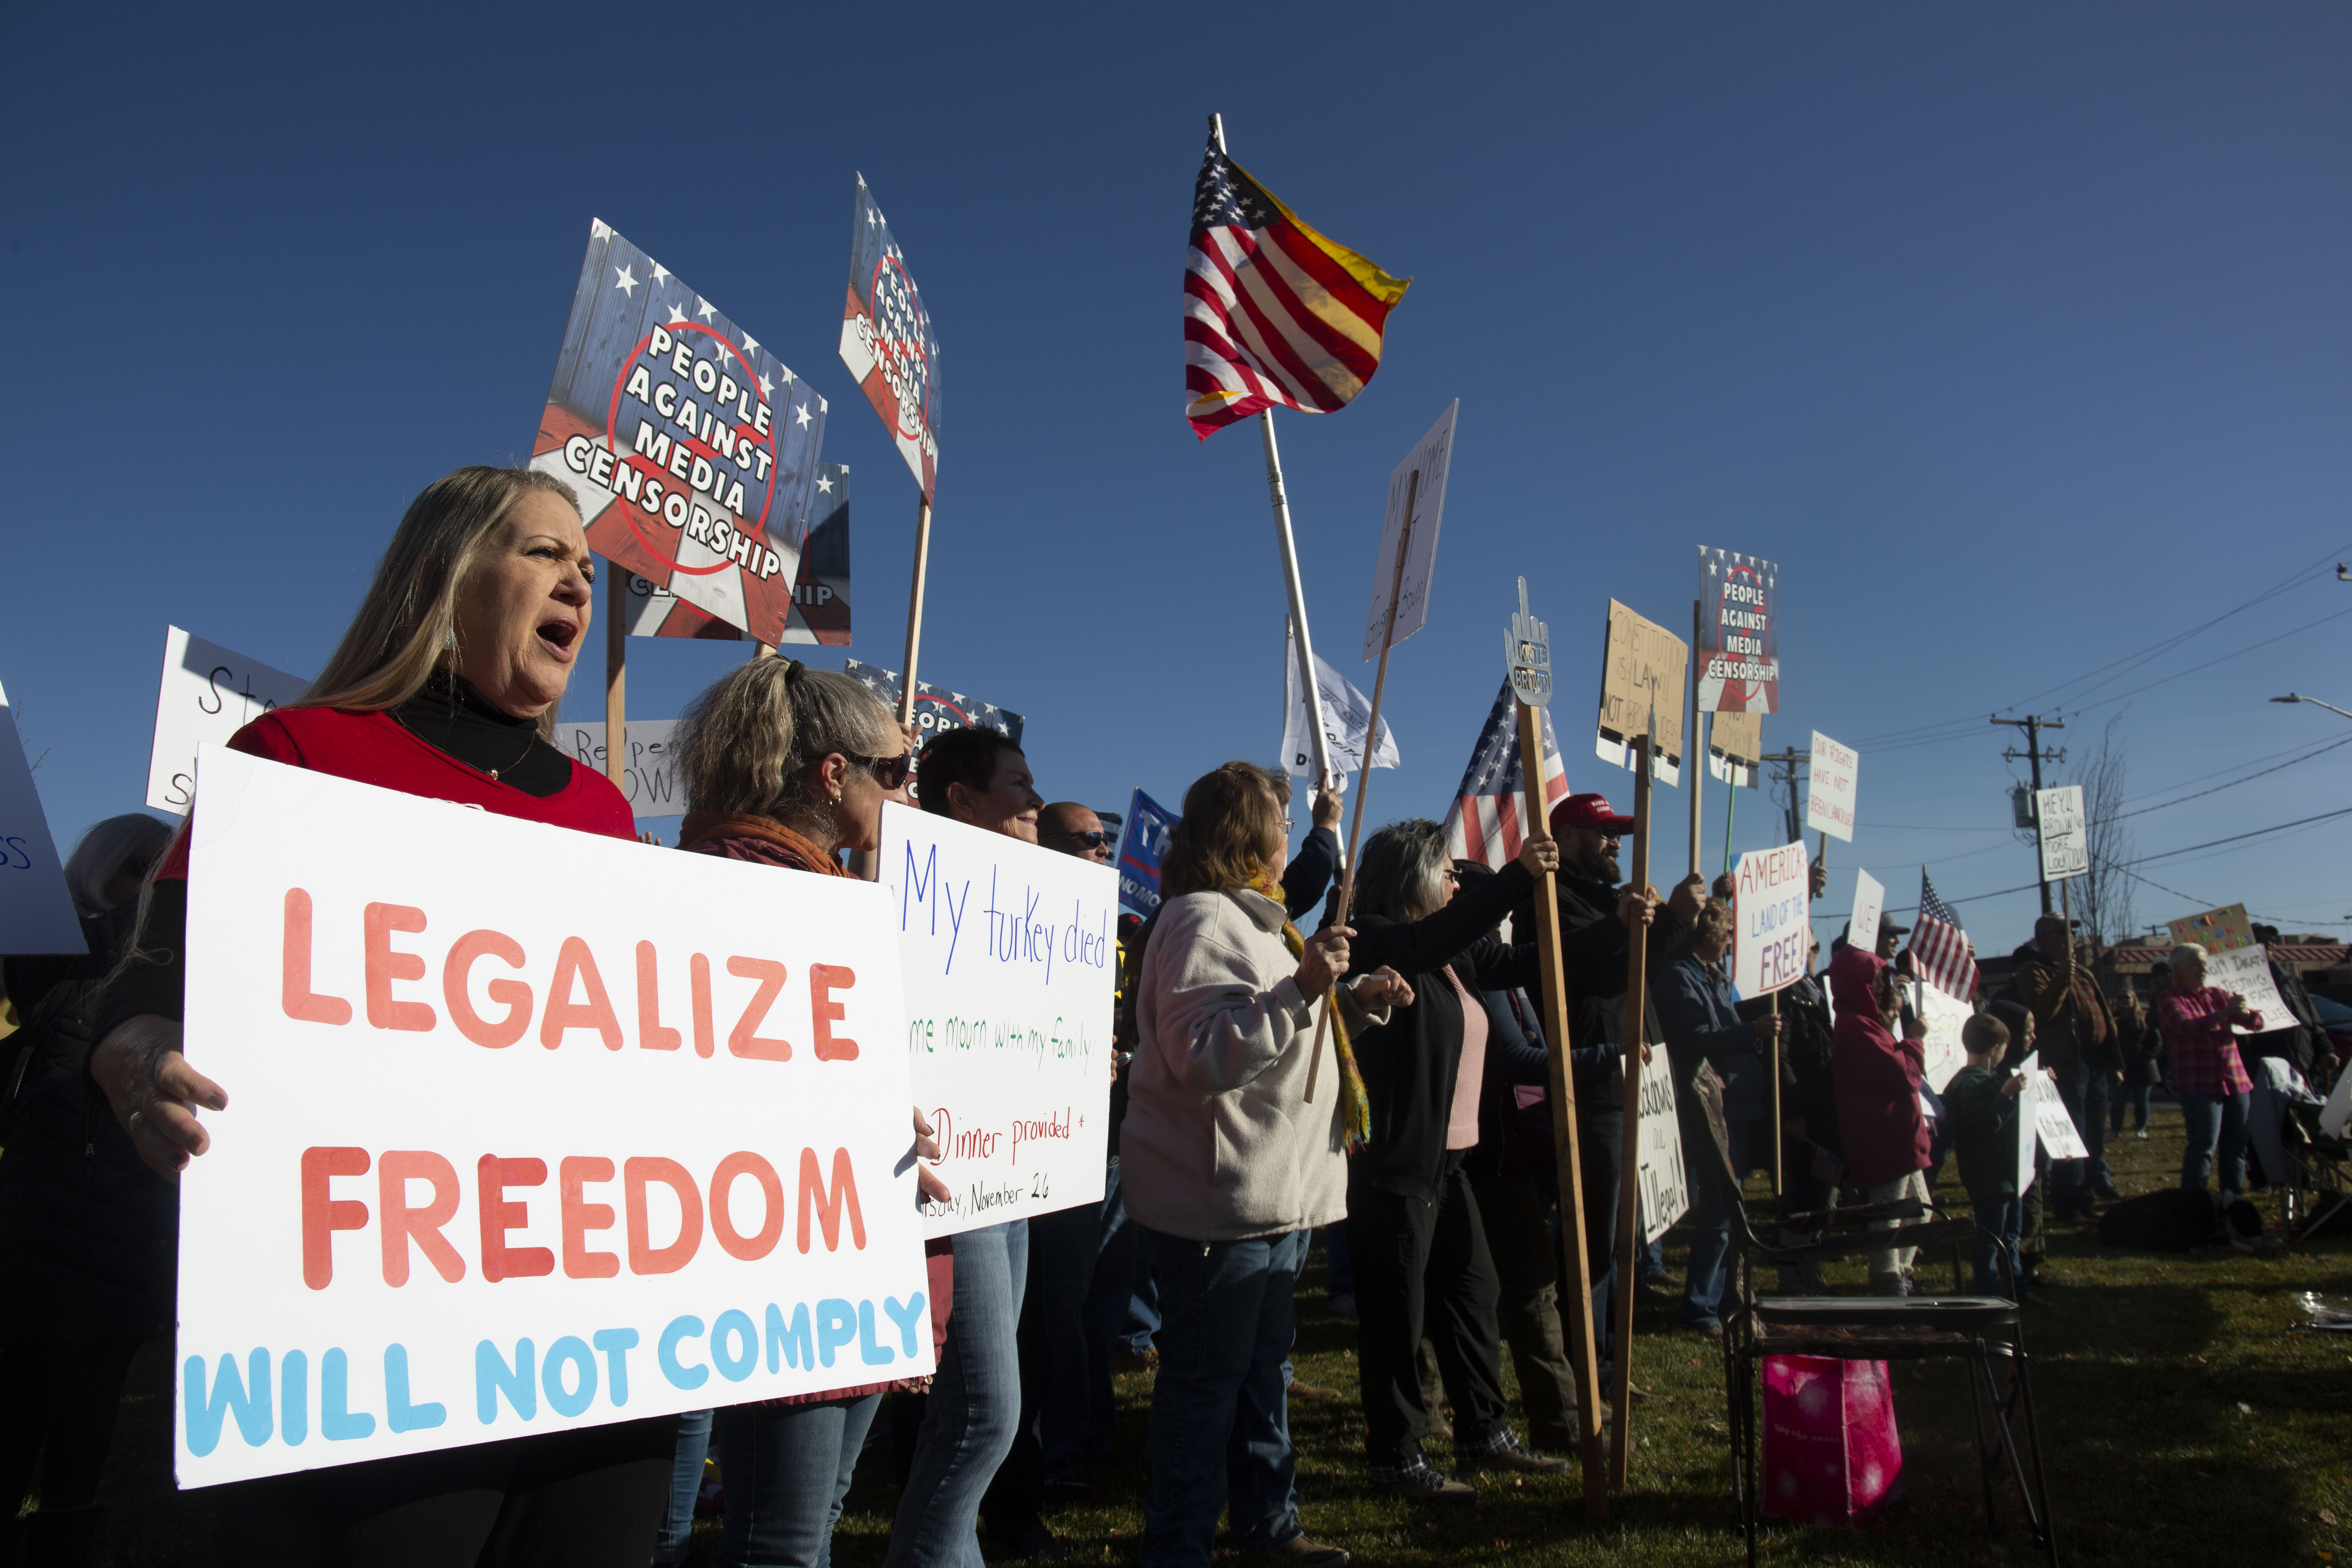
[1529, 650]
[914, 608]
[1637, 1001]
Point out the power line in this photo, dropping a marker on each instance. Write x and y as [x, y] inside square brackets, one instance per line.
[2233, 783]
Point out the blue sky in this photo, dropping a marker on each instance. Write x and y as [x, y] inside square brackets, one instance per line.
[2018, 335]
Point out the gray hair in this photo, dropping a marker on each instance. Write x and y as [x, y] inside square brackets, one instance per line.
[132, 841]
[2188, 953]
[1403, 874]
[745, 744]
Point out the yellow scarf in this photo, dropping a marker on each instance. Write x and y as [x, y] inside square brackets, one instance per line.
[1354, 1108]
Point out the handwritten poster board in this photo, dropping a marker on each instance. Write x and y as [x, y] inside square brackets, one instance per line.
[1643, 666]
[1869, 903]
[207, 694]
[1431, 458]
[1010, 954]
[503, 1164]
[1735, 744]
[2247, 970]
[1664, 1183]
[650, 780]
[887, 343]
[1346, 714]
[36, 913]
[1945, 1017]
[1738, 637]
[1830, 787]
[1769, 910]
[2066, 840]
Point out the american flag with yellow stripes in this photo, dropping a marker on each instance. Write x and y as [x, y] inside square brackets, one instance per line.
[1273, 311]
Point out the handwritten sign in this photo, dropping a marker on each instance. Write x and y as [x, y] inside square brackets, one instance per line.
[1664, 1184]
[1011, 956]
[2247, 970]
[1830, 787]
[2066, 842]
[36, 913]
[1141, 847]
[1641, 670]
[650, 781]
[207, 694]
[2215, 930]
[1735, 744]
[1347, 712]
[1430, 459]
[1738, 646]
[502, 1164]
[1945, 1017]
[1869, 903]
[1769, 901]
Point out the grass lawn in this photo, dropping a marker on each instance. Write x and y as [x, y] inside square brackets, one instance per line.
[2184, 1421]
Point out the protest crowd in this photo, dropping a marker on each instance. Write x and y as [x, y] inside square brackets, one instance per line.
[1395, 1051]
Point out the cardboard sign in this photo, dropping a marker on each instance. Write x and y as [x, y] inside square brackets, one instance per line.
[2065, 841]
[1141, 848]
[503, 1164]
[36, 913]
[1430, 459]
[207, 694]
[2247, 970]
[1869, 903]
[693, 450]
[1345, 712]
[1735, 744]
[887, 343]
[936, 709]
[1643, 666]
[2215, 930]
[1738, 650]
[1830, 787]
[650, 781]
[1769, 904]
[1945, 1017]
[1664, 1184]
[820, 599]
[1011, 958]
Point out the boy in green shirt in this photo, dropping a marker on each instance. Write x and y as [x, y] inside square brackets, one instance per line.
[1981, 1102]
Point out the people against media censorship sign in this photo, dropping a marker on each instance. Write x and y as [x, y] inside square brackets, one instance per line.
[1768, 907]
[531, 1130]
[1009, 953]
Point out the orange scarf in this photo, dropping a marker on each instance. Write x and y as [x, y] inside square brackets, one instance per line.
[700, 827]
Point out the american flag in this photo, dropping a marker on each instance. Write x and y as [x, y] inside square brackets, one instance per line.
[1485, 822]
[1939, 948]
[1274, 313]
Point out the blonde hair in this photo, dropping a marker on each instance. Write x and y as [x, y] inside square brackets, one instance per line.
[745, 744]
[1230, 815]
[408, 621]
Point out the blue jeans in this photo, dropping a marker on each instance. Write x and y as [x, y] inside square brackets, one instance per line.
[788, 1467]
[684, 1486]
[1219, 1434]
[2211, 1119]
[2132, 1097]
[1705, 1291]
[1119, 1257]
[1999, 1220]
[975, 1409]
[1054, 1367]
[1339, 1264]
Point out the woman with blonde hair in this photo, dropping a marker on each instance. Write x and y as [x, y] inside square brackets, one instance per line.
[445, 685]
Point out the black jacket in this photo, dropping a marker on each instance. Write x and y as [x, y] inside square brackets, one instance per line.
[1808, 1090]
[88, 1235]
[1409, 1063]
[1594, 944]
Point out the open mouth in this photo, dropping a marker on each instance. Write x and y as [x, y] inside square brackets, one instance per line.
[558, 636]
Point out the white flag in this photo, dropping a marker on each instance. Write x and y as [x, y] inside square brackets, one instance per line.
[1346, 711]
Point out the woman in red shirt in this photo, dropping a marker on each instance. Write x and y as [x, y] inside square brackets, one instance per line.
[2207, 1072]
[445, 685]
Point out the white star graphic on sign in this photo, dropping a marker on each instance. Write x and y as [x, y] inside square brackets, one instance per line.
[823, 406]
[676, 315]
[623, 282]
[825, 484]
[921, 687]
[800, 412]
[599, 229]
[705, 312]
[788, 374]
[751, 344]
[661, 273]
[767, 387]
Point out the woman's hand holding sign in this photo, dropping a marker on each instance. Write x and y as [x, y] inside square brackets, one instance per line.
[154, 1092]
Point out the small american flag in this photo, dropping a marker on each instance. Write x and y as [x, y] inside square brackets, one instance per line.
[1939, 948]
[1486, 824]
[1274, 313]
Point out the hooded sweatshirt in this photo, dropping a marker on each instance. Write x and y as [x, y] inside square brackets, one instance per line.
[1877, 1078]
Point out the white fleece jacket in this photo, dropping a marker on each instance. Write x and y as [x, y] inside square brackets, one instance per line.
[1220, 1143]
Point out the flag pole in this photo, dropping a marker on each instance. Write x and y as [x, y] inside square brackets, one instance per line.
[1364, 774]
[1637, 953]
[616, 679]
[914, 608]
[1695, 747]
[1283, 541]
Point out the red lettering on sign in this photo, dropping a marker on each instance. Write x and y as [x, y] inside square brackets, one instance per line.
[824, 980]
[493, 1177]
[295, 994]
[644, 1258]
[397, 1223]
[750, 1248]
[703, 1043]
[574, 964]
[384, 966]
[651, 1033]
[828, 1205]
[740, 1040]
[323, 1214]
[580, 1217]
[456, 979]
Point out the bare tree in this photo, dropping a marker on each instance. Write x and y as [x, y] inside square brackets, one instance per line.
[2104, 897]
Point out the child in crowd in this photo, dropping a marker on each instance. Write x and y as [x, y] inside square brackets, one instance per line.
[1982, 1102]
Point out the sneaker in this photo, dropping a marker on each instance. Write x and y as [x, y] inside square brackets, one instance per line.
[1305, 1553]
[2141, 1134]
[1421, 1482]
[1507, 1453]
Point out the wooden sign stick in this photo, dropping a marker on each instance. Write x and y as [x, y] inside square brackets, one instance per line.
[1581, 1347]
[914, 608]
[616, 676]
[1364, 774]
[1775, 1123]
[1637, 980]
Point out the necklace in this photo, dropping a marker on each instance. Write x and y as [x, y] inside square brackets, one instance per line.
[532, 740]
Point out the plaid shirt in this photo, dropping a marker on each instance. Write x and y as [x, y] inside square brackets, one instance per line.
[2196, 1024]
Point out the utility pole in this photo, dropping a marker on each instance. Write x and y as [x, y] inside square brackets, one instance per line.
[2033, 724]
[1788, 762]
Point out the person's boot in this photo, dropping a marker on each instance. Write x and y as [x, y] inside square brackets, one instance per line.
[60, 1538]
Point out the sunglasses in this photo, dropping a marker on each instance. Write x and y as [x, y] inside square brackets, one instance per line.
[888, 772]
[1091, 840]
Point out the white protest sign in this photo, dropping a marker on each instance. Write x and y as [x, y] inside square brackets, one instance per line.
[650, 783]
[2030, 1069]
[1664, 1184]
[2247, 970]
[1945, 1017]
[2041, 1119]
[1431, 457]
[36, 913]
[206, 695]
[1829, 788]
[1010, 954]
[501, 1162]
[1769, 922]
[2066, 843]
[2336, 1114]
[1869, 903]
[1345, 713]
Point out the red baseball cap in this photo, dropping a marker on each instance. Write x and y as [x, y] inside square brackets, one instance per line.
[1588, 811]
